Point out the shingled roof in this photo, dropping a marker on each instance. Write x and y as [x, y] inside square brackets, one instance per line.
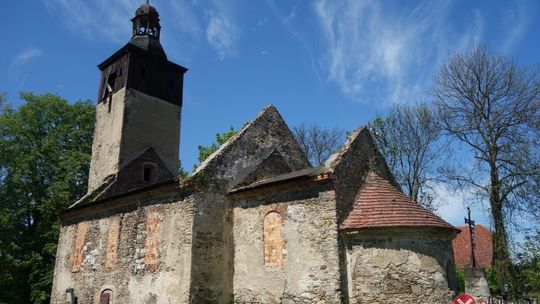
[379, 204]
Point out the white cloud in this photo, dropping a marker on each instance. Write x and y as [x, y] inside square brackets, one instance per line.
[375, 50]
[97, 19]
[26, 56]
[222, 35]
[516, 20]
[454, 205]
[110, 20]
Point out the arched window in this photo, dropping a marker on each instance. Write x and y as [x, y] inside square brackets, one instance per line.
[273, 240]
[106, 297]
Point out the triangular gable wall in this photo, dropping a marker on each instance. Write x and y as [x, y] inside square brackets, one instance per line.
[271, 166]
[244, 152]
[350, 166]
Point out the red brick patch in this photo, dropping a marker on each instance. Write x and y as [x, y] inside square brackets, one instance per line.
[80, 240]
[151, 245]
[112, 242]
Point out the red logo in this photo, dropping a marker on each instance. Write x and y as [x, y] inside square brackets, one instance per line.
[464, 299]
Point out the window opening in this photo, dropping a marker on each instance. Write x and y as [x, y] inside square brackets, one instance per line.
[105, 297]
[108, 90]
[149, 173]
[273, 240]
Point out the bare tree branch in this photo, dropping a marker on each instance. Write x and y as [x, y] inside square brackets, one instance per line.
[487, 102]
[318, 142]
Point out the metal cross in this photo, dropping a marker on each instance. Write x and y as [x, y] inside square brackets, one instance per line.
[473, 239]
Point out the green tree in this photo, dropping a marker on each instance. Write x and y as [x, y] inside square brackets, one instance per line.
[529, 262]
[221, 138]
[492, 106]
[45, 148]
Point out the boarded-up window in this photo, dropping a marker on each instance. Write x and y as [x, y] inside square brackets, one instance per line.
[112, 242]
[273, 240]
[153, 222]
[80, 240]
[105, 297]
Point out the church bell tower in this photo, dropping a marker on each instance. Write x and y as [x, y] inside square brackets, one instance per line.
[139, 103]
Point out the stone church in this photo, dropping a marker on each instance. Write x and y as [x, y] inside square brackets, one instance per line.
[254, 223]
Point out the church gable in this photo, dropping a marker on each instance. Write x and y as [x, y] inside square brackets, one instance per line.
[349, 168]
[271, 166]
[248, 155]
[145, 170]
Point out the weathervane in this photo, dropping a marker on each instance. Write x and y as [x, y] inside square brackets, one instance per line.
[471, 232]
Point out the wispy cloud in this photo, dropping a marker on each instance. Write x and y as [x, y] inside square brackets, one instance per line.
[222, 34]
[26, 56]
[96, 19]
[193, 21]
[19, 70]
[516, 20]
[376, 50]
[454, 205]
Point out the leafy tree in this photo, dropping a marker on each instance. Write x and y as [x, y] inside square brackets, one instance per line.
[318, 142]
[529, 261]
[221, 138]
[409, 139]
[492, 106]
[45, 148]
[182, 173]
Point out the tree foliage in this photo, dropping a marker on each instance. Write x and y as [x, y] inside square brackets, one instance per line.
[492, 106]
[221, 138]
[529, 261]
[318, 142]
[45, 148]
[410, 140]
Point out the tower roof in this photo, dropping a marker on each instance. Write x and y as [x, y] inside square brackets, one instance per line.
[146, 30]
[146, 8]
[379, 204]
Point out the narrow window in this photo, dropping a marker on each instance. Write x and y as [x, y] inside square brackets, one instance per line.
[112, 242]
[80, 240]
[149, 173]
[105, 297]
[109, 89]
[151, 244]
[273, 240]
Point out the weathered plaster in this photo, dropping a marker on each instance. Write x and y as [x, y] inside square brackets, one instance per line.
[310, 272]
[395, 268]
[130, 278]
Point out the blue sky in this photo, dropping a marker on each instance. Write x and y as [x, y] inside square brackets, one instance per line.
[336, 63]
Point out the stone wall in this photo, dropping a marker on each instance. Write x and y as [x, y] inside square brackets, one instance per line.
[308, 271]
[150, 122]
[397, 268]
[212, 264]
[107, 138]
[141, 253]
[127, 124]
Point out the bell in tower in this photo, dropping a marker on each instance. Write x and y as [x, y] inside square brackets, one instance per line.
[146, 22]
[137, 132]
